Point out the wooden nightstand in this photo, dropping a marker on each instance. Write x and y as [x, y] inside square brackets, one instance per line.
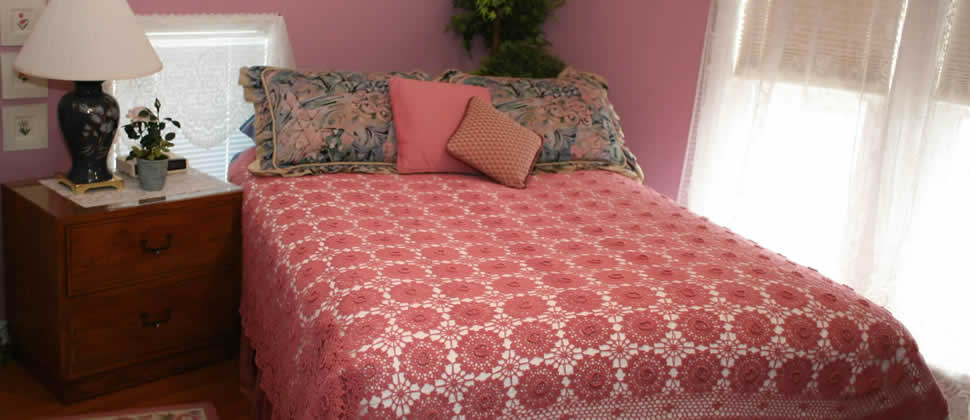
[99, 299]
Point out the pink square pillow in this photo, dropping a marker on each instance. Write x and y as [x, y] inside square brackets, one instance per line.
[426, 114]
[495, 144]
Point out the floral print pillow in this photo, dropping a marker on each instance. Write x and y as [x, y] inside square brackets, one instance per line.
[252, 83]
[579, 126]
[323, 122]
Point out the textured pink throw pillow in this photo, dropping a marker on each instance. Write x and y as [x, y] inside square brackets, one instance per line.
[426, 114]
[495, 144]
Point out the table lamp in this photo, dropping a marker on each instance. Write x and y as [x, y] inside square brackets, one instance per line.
[88, 42]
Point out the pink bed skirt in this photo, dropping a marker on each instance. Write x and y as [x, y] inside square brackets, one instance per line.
[260, 407]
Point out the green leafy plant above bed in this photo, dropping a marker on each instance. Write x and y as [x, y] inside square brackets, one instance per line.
[521, 59]
[512, 31]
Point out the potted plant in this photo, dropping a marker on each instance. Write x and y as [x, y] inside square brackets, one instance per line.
[151, 151]
[512, 31]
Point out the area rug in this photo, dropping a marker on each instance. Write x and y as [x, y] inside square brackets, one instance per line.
[197, 411]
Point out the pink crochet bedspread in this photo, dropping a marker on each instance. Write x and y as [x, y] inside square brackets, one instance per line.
[586, 295]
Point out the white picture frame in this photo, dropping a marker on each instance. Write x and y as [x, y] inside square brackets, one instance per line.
[16, 85]
[24, 127]
[17, 20]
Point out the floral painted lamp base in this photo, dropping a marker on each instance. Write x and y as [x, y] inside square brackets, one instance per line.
[115, 182]
[88, 118]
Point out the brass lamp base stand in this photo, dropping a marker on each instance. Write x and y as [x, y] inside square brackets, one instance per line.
[115, 182]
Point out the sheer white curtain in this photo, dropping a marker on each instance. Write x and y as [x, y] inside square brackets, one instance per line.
[838, 133]
[202, 55]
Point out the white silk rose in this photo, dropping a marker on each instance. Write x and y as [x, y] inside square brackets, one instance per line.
[140, 113]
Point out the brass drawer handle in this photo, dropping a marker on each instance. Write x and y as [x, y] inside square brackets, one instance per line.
[147, 322]
[157, 251]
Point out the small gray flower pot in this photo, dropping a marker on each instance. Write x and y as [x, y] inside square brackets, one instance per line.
[152, 173]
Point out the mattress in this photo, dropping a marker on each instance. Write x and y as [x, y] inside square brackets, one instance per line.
[586, 295]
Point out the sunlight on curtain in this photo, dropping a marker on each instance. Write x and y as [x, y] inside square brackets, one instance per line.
[838, 134]
[933, 277]
[747, 199]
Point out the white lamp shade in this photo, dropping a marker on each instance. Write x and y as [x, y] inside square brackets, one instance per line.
[88, 40]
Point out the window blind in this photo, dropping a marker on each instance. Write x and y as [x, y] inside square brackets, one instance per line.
[954, 84]
[847, 44]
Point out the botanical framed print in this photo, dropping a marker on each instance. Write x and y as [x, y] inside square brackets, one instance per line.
[24, 127]
[17, 20]
[17, 85]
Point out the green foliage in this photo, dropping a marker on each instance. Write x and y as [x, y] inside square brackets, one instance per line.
[147, 127]
[521, 59]
[500, 22]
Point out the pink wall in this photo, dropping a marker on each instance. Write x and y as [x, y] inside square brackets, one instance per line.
[648, 49]
[650, 53]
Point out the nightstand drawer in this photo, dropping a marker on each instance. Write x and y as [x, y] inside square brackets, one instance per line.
[126, 251]
[118, 328]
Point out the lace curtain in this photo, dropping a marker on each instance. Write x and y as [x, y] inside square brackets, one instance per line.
[202, 55]
[838, 133]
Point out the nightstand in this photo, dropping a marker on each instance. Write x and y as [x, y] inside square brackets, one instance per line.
[103, 298]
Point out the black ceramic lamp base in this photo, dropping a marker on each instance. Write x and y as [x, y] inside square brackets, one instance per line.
[89, 119]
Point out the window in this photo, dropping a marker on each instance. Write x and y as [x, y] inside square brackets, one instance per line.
[198, 86]
[838, 133]
[794, 94]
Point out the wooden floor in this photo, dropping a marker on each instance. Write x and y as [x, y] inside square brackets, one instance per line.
[23, 398]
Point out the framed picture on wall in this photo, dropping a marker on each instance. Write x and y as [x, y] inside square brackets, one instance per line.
[24, 127]
[17, 85]
[17, 20]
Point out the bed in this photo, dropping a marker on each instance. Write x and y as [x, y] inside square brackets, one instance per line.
[586, 295]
